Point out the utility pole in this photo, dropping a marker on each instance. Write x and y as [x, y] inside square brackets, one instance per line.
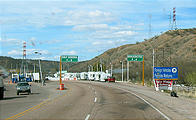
[42, 81]
[101, 67]
[91, 68]
[127, 70]
[41, 73]
[153, 54]
[34, 67]
[122, 70]
[97, 67]
[111, 68]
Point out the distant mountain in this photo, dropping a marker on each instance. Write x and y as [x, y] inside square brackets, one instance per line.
[14, 65]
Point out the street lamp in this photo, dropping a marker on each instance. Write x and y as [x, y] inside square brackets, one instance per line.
[40, 68]
[122, 69]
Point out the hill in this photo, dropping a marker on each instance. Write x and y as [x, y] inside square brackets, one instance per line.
[15, 64]
[172, 48]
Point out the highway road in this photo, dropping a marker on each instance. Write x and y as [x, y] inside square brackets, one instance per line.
[81, 100]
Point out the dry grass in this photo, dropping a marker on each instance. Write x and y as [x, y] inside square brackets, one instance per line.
[186, 91]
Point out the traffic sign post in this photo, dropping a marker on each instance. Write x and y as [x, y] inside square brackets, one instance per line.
[139, 58]
[69, 58]
[164, 77]
[66, 58]
[135, 58]
[166, 73]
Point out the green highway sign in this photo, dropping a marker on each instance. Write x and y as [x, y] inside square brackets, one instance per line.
[135, 57]
[69, 58]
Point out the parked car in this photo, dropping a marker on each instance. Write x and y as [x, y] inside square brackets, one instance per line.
[23, 87]
[110, 79]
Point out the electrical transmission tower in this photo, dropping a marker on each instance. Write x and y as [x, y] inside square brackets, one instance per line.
[174, 27]
[24, 66]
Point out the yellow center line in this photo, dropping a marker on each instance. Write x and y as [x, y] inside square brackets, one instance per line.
[48, 101]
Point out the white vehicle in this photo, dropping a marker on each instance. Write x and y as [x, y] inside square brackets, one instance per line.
[91, 76]
[83, 75]
[36, 77]
[104, 76]
[97, 76]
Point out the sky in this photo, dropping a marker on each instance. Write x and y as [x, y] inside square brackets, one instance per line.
[86, 28]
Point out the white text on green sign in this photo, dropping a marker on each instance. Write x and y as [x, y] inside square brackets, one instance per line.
[135, 57]
[69, 58]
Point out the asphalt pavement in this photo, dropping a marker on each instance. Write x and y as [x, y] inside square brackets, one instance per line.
[80, 100]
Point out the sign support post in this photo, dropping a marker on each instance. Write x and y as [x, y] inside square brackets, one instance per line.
[60, 70]
[66, 58]
[139, 58]
[143, 73]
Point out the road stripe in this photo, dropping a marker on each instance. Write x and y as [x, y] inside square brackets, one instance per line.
[95, 99]
[30, 109]
[166, 117]
[48, 101]
[87, 117]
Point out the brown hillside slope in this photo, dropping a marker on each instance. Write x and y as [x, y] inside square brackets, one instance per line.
[172, 48]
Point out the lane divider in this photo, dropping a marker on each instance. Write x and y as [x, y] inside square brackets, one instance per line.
[48, 101]
[166, 117]
[30, 109]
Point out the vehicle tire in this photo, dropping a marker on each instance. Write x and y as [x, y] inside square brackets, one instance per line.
[29, 92]
[17, 93]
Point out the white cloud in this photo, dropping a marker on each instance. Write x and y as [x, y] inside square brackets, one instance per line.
[124, 33]
[69, 52]
[90, 27]
[15, 52]
[139, 24]
[96, 43]
[82, 17]
[29, 52]
[108, 43]
[9, 40]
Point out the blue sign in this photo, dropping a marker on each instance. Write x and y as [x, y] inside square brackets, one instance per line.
[166, 73]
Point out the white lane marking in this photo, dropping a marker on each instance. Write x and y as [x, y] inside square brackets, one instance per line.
[87, 117]
[95, 100]
[148, 104]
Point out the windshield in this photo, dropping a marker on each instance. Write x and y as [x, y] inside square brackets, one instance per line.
[22, 84]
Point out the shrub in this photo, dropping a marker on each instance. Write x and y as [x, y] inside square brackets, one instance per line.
[190, 79]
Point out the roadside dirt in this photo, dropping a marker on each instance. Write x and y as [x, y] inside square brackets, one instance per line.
[177, 108]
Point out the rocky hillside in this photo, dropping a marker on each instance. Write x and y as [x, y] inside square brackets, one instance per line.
[172, 48]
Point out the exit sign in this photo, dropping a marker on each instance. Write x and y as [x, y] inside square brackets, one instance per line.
[69, 58]
[135, 57]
